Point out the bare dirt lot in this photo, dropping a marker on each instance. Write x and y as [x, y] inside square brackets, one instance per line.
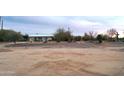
[72, 59]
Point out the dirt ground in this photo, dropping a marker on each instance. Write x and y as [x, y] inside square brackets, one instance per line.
[62, 59]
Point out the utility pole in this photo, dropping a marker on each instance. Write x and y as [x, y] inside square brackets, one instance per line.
[1, 23]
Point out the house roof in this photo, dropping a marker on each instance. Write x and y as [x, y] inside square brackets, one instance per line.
[40, 35]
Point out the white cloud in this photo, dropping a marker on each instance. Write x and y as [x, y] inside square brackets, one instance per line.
[84, 23]
[78, 24]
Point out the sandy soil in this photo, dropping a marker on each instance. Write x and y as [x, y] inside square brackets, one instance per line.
[104, 59]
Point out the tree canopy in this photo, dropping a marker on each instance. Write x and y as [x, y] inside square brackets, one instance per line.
[10, 36]
[62, 35]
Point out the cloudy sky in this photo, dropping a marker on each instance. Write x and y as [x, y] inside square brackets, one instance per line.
[49, 24]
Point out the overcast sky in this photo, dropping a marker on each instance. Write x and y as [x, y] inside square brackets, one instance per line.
[49, 24]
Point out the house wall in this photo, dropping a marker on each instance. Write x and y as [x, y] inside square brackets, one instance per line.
[44, 39]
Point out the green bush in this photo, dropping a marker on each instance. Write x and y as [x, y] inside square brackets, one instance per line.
[26, 37]
[77, 38]
[86, 37]
[10, 36]
[100, 38]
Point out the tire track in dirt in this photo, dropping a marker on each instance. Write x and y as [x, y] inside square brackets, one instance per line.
[59, 67]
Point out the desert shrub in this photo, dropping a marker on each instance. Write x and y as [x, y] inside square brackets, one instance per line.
[121, 39]
[105, 37]
[25, 37]
[99, 38]
[77, 38]
[86, 37]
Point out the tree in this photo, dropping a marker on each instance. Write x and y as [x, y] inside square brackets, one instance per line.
[117, 34]
[89, 36]
[26, 37]
[105, 37]
[62, 35]
[86, 37]
[111, 33]
[10, 35]
[59, 34]
[16, 36]
[77, 38]
[99, 38]
[92, 35]
[68, 36]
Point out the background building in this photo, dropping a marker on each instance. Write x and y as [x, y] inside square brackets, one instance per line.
[40, 37]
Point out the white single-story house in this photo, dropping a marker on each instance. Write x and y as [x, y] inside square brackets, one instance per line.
[40, 37]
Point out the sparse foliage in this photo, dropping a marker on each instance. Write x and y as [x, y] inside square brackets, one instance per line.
[111, 33]
[92, 35]
[89, 36]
